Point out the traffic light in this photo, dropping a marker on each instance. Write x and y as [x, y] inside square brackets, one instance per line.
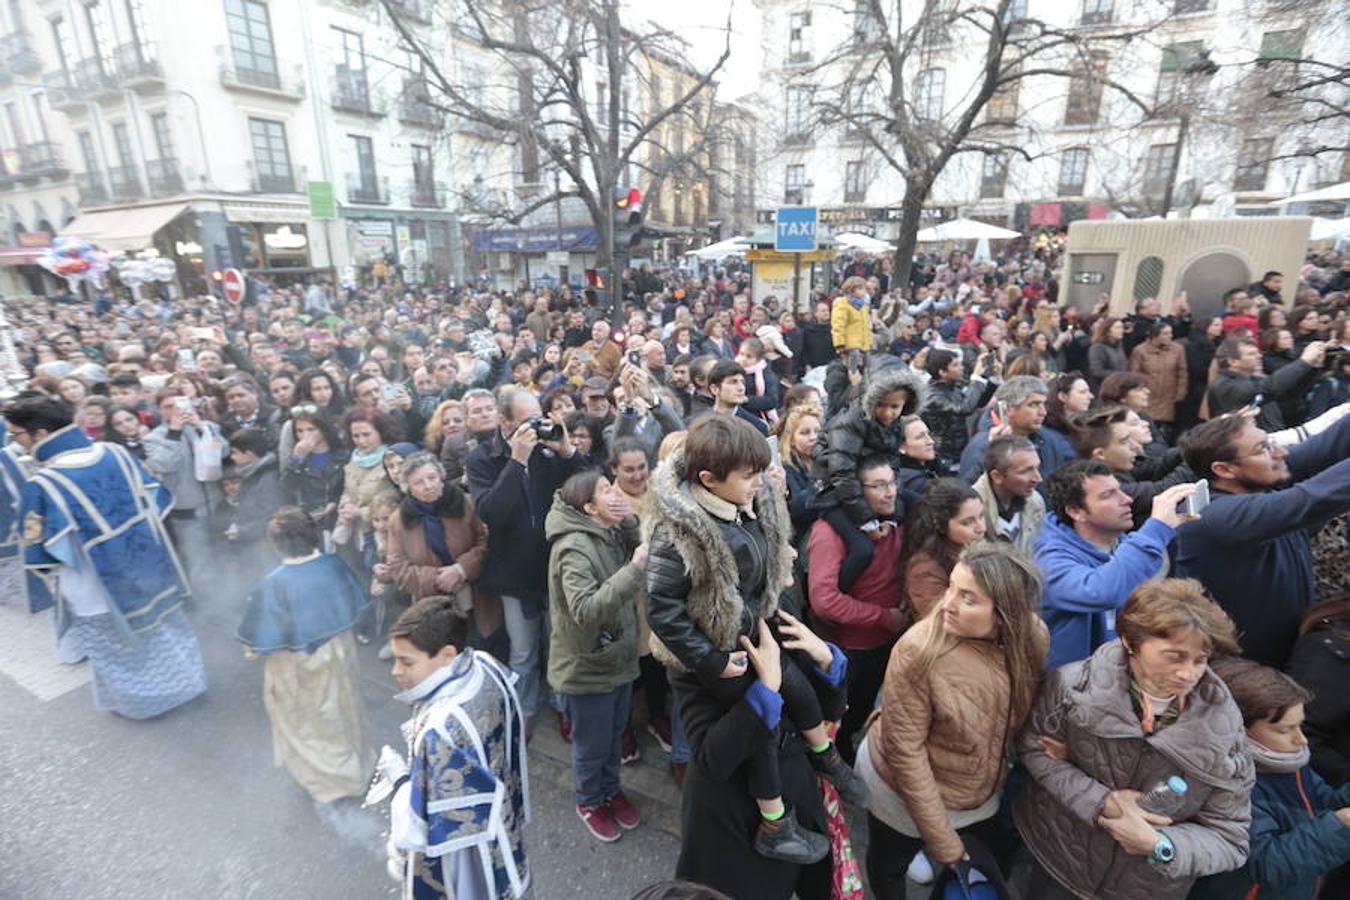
[627, 219]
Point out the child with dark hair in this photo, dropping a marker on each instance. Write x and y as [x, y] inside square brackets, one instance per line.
[1300, 825]
[300, 618]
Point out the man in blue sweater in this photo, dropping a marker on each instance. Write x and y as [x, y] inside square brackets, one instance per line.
[1089, 559]
[1251, 548]
[1024, 398]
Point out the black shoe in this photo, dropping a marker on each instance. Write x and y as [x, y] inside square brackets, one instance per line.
[789, 842]
[852, 789]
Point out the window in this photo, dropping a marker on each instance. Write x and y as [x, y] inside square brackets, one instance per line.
[271, 155]
[1190, 6]
[1158, 168]
[423, 172]
[799, 112]
[97, 20]
[1098, 12]
[1002, 106]
[352, 88]
[855, 187]
[250, 32]
[866, 26]
[1177, 61]
[65, 50]
[159, 125]
[38, 100]
[16, 129]
[140, 33]
[87, 151]
[1015, 13]
[1148, 277]
[601, 102]
[799, 37]
[1281, 45]
[794, 184]
[1252, 164]
[122, 143]
[1085, 91]
[995, 175]
[1073, 172]
[928, 88]
[364, 149]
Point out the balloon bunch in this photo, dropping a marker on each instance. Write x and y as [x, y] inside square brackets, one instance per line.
[74, 259]
[147, 265]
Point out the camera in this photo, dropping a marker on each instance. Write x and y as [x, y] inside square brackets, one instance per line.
[546, 429]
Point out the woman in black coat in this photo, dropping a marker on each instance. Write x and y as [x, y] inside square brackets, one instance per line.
[1320, 662]
[1200, 345]
[719, 818]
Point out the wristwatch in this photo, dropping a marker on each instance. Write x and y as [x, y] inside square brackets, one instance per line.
[1163, 851]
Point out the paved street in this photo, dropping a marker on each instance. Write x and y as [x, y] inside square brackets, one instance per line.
[190, 806]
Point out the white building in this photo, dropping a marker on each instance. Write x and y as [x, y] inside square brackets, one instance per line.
[201, 129]
[1092, 153]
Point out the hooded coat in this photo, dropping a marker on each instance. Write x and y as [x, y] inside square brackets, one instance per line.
[855, 434]
[709, 580]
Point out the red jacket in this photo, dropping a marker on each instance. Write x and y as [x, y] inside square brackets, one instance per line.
[858, 620]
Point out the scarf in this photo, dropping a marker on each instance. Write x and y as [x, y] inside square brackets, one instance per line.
[1270, 761]
[1151, 720]
[371, 459]
[433, 529]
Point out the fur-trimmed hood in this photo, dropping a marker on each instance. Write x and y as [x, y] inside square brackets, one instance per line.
[714, 603]
[897, 377]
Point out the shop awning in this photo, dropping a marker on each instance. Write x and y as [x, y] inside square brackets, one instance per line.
[21, 256]
[123, 229]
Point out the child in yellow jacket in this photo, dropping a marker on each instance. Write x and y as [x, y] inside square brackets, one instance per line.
[851, 318]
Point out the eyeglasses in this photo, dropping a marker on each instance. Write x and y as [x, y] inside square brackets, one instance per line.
[1265, 448]
[305, 409]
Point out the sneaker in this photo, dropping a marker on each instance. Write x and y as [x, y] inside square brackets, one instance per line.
[920, 869]
[629, 753]
[564, 727]
[660, 729]
[599, 823]
[623, 811]
[852, 789]
[787, 841]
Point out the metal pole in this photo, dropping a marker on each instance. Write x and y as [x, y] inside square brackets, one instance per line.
[201, 135]
[796, 282]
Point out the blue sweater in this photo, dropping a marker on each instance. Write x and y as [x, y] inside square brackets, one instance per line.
[1292, 843]
[1053, 453]
[1251, 551]
[1084, 586]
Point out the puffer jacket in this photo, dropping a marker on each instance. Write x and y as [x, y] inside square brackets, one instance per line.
[851, 326]
[948, 408]
[593, 592]
[855, 435]
[1087, 706]
[940, 740]
[1168, 379]
[710, 578]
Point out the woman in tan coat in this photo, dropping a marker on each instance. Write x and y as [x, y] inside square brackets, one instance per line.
[958, 687]
[1163, 361]
[437, 545]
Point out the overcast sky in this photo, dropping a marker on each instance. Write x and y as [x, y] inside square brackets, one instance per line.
[701, 22]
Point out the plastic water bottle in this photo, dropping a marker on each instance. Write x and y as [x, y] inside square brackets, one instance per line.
[1166, 797]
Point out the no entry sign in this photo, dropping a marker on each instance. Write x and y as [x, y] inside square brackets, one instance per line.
[232, 282]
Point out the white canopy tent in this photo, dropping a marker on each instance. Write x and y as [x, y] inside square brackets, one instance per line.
[1333, 192]
[730, 247]
[964, 230]
[851, 240]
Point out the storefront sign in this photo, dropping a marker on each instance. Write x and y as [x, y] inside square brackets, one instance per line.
[321, 202]
[34, 239]
[535, 240]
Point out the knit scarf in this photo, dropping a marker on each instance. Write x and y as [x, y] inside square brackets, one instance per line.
[757, 373]
[433, 529]
[1274, 762]
[371, 459]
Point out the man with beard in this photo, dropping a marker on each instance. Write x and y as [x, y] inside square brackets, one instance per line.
[1251, 547]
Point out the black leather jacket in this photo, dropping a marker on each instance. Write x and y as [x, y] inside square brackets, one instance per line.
[947, 408]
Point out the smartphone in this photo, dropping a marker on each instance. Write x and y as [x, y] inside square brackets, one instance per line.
[1195, 504]
[1001, 412]
[390, 391]
[187, 360]
[635, 357]
[1257, 401]
[184, 404]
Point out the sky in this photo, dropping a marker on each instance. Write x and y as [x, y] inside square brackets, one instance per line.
[702, 24]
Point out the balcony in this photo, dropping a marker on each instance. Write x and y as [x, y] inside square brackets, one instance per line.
[475, 128]
[164, 177]
[798, 139]
[92, 188]
[414, 105]
[367, 189]
[352, 94]
[415, 10]
[1093, 17]
[41, 158]
[91, 78]
[427, 195]
[264, 80]
[124, 183]
[18, 56]
[136, 69]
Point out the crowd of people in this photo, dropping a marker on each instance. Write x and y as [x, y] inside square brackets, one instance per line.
[1024, 583]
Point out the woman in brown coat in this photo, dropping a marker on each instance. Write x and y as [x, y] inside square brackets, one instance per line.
[437, 545]
[1163, 361]
[958, 686]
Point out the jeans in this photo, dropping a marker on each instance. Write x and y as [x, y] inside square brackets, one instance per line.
[526, 636]
[598, 721]
[679, 741]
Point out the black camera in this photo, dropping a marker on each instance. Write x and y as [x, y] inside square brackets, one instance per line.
[546, 429]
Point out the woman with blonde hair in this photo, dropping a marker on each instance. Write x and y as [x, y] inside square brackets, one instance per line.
[796, 448]
[447, 436]
[958, 686]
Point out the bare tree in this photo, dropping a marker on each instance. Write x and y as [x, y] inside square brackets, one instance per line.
[579, 94]
[883, 89]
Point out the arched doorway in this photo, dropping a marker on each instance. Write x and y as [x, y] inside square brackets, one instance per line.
[1207, 278]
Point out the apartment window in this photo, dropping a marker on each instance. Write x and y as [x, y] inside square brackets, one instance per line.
[794, 183]
[159, 125]
[855, 186]
[1085, 91]
[1016, 12]
[364, 148]
[250, 30]
[65, 48]
[1098, 12]
[799, 111]
[1002, 106]
[140, 34]
[928, 89]
[1280, 55]
[16, 129]
[38, 99]
[866, 26]
[1252, 165]
[1177, 60]
[1158, 167]
[1190, 6]
[97, 20]
[994, 176]
[122, 143]
[87, 151]
[423, 171]
[799, 37]
[601, 102]
[271, 155]
[1073, 172]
